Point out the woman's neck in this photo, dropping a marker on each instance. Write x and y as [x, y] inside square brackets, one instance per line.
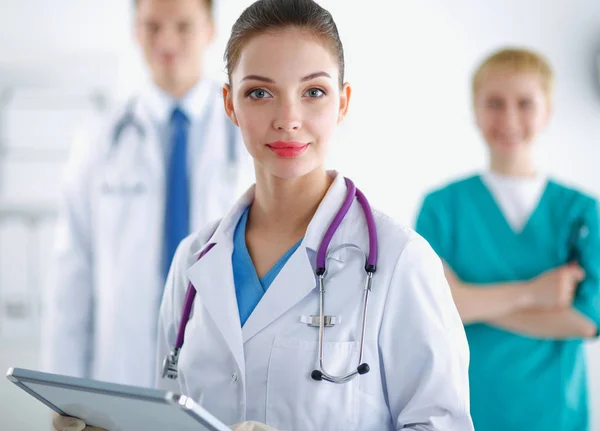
[522, 167]
[286, 206]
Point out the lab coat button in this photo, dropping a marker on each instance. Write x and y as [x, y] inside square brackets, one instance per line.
[234, 377]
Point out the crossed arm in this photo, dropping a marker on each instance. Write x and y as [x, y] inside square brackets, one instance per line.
[540, 308]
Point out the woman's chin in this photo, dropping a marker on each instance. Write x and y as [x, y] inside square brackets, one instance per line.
[290, 168]
[509, 148]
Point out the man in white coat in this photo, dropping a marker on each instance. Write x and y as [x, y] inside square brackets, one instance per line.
[162, 165]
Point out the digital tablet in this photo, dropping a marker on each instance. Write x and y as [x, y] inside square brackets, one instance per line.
[115, 407]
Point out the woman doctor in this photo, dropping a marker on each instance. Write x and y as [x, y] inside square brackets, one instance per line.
[251, 343]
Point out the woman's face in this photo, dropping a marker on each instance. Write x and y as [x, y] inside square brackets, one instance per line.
[285, 97]
[511, 109]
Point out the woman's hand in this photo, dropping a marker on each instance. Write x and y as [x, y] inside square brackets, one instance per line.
[556, 288]
[64, 423]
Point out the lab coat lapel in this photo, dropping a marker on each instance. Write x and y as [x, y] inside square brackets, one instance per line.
[292, 284]
[212, 276]
[297, 278]
[153, 148]
[135, 163]
[206, 154]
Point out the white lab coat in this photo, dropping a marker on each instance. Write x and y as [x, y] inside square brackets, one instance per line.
[415, 342]
[102, 299]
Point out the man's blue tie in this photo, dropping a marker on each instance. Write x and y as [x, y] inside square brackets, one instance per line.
[177, 211]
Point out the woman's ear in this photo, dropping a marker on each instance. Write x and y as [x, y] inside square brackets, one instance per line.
[228, 104]
[345, 95]
[549, 111]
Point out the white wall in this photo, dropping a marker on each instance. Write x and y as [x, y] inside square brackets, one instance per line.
[410, 126]
[53, 55]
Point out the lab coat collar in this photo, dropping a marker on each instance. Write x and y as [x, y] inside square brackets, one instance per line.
[315, 232]
[226, 228]
[160, 104]
[326, 212]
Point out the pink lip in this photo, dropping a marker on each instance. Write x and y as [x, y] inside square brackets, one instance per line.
[287, 149]
[167, 58]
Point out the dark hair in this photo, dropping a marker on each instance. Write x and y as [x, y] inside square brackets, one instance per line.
[268, 15]
[210, 4]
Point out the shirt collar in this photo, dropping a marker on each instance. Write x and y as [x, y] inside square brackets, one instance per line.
[537, 180]
[160, 104]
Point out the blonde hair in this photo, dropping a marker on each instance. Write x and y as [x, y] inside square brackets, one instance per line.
[519, 61]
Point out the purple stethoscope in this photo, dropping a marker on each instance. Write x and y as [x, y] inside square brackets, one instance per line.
[170, 362]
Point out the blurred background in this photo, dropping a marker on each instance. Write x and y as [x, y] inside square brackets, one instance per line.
[410, 125]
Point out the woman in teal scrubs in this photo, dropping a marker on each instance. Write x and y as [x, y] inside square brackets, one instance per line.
[522, 255]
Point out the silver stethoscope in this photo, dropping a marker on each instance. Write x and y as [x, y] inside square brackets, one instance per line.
[128, 120]
[171, 361]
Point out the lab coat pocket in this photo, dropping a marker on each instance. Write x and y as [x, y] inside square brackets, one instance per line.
[296, 402]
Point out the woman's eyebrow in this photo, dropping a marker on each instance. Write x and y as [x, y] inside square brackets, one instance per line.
[316, 75]
[257, 78]
[271, 81]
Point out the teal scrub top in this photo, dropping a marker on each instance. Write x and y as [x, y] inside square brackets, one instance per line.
[249, 289]
[519, 382]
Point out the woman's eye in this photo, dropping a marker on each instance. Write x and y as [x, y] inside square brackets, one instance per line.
[526, 104]
[258, 93]
[152, 27]
[494, 104]
[314, 93]
[184, 27]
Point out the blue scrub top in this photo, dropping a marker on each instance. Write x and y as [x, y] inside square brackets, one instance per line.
[249, 289]
[518, 382]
